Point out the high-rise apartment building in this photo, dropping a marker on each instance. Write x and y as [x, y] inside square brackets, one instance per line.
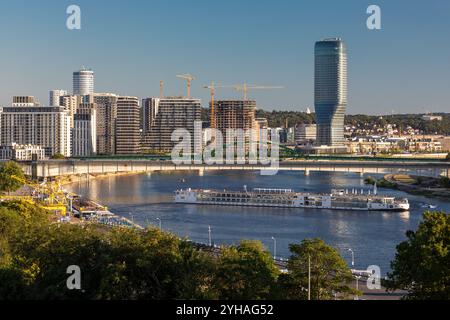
[128, 135]
[83, 82]
[84, 132]
[47, 127]
[149, 110]
[55, 97]
[330, 91]
[106, 122]
[166, 115]
[71, 104]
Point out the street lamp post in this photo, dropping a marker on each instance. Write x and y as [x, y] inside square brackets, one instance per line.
[274, 248]
[309, 277]
[160, 224]
[132, 217]
[209, 236]
[353, 257]
[357, 286]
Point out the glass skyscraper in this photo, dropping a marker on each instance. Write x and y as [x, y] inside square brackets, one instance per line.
[330, 91]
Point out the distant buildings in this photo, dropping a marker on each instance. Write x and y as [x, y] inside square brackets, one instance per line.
[106, 122]
[262, 123]
[330, 91]
[305, 134]
[162, 117]
[430, 117]
[55, 97]
[24, 101]
[47, 127]
[21, 152]
[71, 104]
[128, 136]
[83, 82]
[84, 132]
[372, 145]
[149, 110]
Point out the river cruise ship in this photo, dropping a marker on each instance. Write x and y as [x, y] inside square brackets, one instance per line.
[286, 198]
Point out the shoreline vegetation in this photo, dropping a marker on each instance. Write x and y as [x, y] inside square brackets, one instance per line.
[424, 186]
[124, 263]
[119, 263]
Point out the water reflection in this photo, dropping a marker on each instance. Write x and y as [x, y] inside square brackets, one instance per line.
[372, 235]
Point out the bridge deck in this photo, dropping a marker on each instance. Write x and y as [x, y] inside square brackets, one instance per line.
[52, 168]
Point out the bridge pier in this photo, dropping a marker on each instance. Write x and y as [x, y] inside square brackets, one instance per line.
[307, 172]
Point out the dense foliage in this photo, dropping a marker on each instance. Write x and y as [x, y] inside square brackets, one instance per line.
[130, 264]
[422, 262]
[7, 183]
[329, 272]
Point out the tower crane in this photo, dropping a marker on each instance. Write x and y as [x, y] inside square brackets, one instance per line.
[161, 89]
[189, 78]
[246, 88]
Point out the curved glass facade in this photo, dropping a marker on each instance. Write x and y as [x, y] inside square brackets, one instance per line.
[330, 91]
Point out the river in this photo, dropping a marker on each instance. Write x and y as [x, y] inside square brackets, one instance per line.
[148, 199]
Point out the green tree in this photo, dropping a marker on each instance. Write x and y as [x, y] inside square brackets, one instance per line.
[7, 182]
[330, 274]
[58, 156]
[422, 262]
[16, 219]
[245, 272]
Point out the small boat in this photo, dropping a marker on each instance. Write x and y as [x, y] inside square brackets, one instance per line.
[429, 206]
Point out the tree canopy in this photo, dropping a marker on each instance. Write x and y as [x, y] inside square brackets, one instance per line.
[119, 263]
[245, 272]
[422, 262]
[7, 182]
[330, 274]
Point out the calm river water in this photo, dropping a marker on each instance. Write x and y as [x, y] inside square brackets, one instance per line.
[372, 236]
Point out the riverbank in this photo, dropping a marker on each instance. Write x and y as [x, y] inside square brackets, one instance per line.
[425, 186]
[70, 179]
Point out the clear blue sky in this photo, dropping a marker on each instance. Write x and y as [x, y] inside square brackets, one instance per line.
[133, 44]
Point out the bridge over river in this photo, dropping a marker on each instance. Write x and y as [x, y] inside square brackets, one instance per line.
[53, 168]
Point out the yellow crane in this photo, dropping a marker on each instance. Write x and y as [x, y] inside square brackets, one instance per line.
[246, 88]
[189, 78]
[47, 195]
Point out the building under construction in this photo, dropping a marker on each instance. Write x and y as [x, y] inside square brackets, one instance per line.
[162, 116]
[235, 114]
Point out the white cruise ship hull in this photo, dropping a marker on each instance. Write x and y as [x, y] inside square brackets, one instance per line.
[288, 199]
